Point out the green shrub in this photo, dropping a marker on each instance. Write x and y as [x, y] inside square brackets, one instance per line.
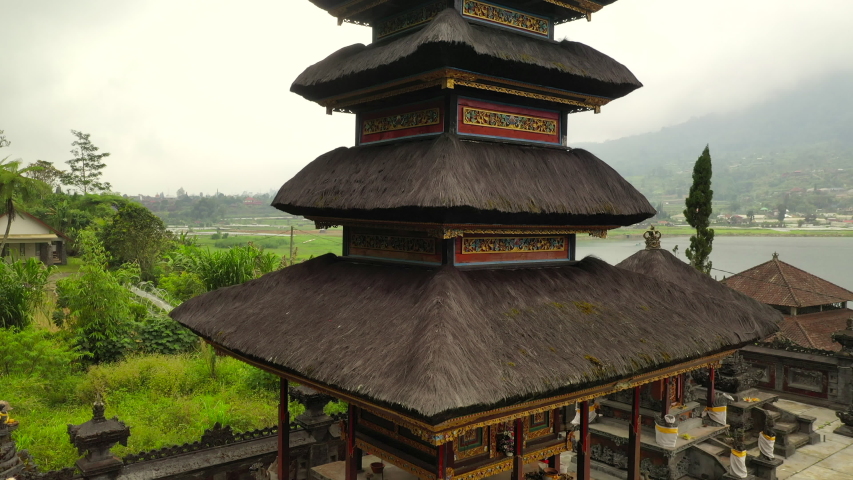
[35, 353]
[182, 285]
[161, 334]
[22, 286]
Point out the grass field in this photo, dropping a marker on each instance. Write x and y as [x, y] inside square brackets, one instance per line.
[165, 399]
[305, 244]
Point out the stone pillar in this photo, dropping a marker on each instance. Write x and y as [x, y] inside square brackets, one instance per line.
[95, 438]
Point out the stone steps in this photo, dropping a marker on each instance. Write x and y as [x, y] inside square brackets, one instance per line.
[785, 427]
[798, 439]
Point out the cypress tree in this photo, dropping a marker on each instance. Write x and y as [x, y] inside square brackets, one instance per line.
[698, 213]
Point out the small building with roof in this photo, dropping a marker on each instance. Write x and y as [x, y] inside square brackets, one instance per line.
[30, 237]
[802, 358]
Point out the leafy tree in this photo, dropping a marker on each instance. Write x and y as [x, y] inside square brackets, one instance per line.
[783, 210]
[47, 173]
[16, 187]
[134, 234]
[750, 215]
[86, 165]
[698, 213]
[100, 308]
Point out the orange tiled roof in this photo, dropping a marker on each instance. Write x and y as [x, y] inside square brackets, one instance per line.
[778, 283]
[815, 329]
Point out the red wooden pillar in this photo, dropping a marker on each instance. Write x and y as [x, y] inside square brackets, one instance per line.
[634, 438]
[518, 450]
[554, 462]
[665, 401]
[441, 456]
[351, 460]
[283, 432]
[583, 443]
[711, 390]
[451, 459]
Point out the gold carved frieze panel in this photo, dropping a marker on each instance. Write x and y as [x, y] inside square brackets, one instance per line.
[506, 17]
[476, 245]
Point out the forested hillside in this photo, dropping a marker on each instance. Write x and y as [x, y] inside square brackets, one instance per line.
[800, 140]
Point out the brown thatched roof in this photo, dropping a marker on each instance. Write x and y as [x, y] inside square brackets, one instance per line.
[445, 179]
[779, 283]
[560, 14]
[437, 342]
[663, 265]
[451, 42]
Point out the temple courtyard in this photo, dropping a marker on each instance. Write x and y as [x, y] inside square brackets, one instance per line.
[832, 459]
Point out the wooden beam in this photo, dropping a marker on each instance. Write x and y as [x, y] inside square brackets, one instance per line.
[351, 466]
[283, 432]
[665, 402]
[583, 443]
[518, 457]
[634, 438]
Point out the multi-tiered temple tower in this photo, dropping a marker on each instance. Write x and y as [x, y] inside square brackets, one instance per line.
[457, 321]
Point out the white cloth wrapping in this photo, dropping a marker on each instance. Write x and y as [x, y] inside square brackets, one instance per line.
[717, 414]
[766, 444]
[738, 463]
[666, 436]
[592, 414]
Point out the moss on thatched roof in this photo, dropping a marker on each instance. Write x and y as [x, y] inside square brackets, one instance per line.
[445, 179]
[449, 41]
[434, 342]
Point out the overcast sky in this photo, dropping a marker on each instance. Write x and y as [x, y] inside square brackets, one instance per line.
[195, 93]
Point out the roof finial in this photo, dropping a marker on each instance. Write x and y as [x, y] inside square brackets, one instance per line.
[652, 237]
[775, 256]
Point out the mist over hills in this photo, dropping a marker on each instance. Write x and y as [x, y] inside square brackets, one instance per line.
[809, 130]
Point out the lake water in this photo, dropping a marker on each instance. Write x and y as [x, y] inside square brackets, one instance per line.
[828, 258]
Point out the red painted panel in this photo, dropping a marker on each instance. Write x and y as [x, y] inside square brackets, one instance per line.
[427, 117]
[545, 120]
[509, 256]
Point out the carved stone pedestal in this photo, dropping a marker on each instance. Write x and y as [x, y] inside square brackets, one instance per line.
[764, 468]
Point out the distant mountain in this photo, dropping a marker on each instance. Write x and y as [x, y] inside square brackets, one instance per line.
[809, 131]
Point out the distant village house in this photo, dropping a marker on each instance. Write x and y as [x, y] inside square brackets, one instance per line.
[29, 237]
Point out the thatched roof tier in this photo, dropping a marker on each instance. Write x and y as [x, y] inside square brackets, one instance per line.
[446, 179]
[365, 12]
[663, 265]
[437, 343]
[779, 283]
[449, 41]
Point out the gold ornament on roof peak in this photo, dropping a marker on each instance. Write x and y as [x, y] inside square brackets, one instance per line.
[652, 237]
